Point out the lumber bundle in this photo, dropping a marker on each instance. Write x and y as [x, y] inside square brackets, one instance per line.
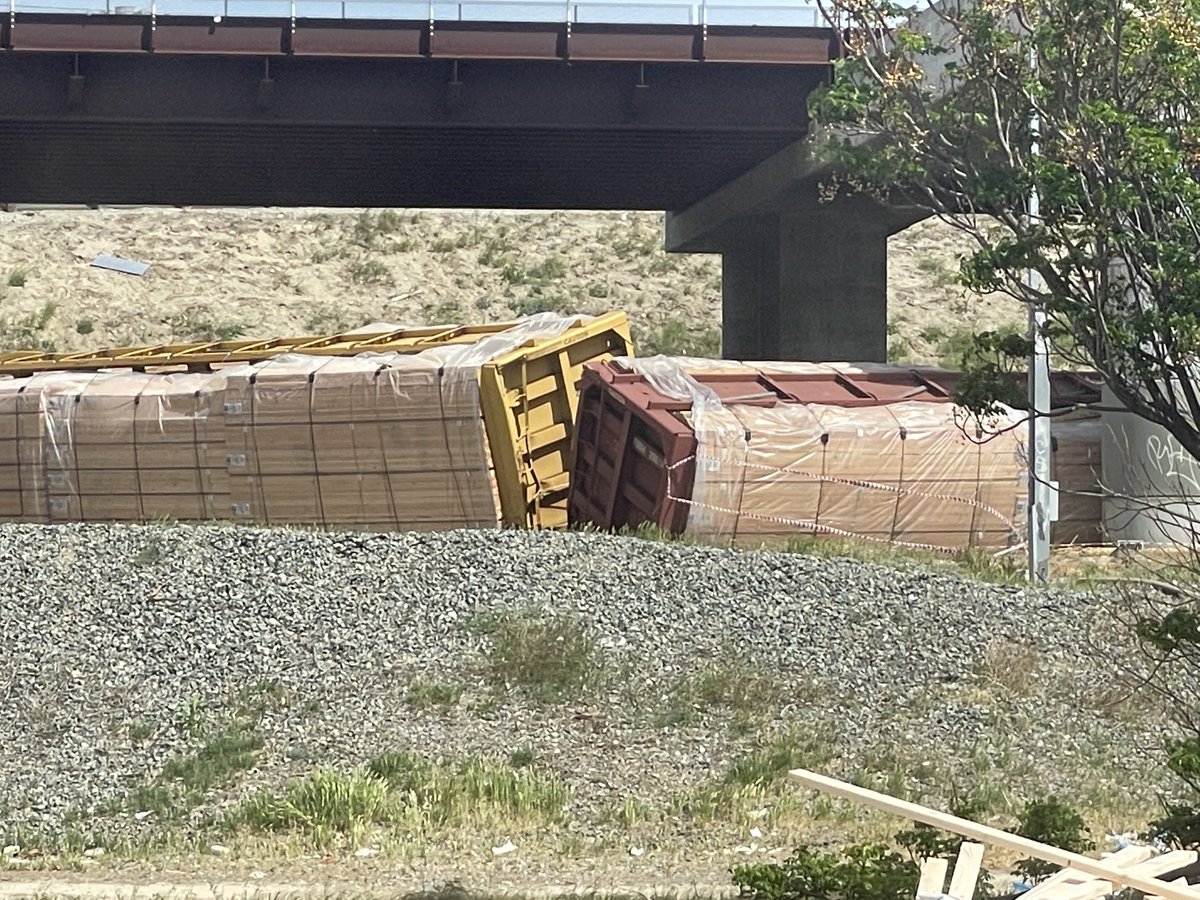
[466, 429]
[369, 443]
[1075, 465]
[901, 473]
[126, 447]
[752, 453]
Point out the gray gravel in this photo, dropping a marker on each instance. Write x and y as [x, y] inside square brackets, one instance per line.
[107, 630]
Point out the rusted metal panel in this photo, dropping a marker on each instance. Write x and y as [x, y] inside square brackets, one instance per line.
[256, 40]
[77, 38]
[677, 45]
[767, 45]
[497, 42]
[631, 455]
[356, 42]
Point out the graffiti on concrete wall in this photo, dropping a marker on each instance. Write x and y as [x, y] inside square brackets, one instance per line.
[1167, 458]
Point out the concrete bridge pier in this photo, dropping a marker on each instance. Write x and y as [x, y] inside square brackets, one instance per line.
[801, 279]
[808, 285]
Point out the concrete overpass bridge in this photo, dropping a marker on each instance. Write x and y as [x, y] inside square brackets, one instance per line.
[540, 105]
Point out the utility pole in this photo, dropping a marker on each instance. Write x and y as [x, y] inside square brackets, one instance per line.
[1043, 496]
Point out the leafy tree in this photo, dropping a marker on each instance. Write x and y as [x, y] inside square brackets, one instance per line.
[942, 107]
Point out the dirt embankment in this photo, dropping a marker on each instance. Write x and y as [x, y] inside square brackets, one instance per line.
[228, 273]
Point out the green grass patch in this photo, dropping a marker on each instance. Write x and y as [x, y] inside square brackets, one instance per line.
[551, 658]
[368, 271]
[425, 693]
[27, 332]
[752, 778]
[216, 763]
[551, 268]
[522, 757]
[539, 303]
[152, 553]
[728, 683]
[676, 338]
[406, 792]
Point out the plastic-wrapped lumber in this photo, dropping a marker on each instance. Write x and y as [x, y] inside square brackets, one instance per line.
[736, 453]
[1075, 465]
[373, 443]
[132, 447]
[449, 428]
[108, 447]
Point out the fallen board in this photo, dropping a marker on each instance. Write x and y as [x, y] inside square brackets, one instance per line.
[1147, 884]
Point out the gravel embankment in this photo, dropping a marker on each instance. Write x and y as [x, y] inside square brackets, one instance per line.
[108, 633]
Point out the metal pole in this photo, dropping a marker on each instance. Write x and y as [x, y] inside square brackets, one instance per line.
[1041, 492]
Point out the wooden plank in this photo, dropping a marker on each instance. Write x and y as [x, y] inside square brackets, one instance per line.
[1149, 865]
[975, 831]
[1167, 862]
[966, 871]
[1054, 885]
[933, 878]
[1181, 881]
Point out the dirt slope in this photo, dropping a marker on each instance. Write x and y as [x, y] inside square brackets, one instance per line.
[226, 273]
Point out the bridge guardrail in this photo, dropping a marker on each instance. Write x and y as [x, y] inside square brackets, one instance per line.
[664, 12]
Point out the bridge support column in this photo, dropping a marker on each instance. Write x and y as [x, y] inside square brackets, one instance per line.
[807, 286]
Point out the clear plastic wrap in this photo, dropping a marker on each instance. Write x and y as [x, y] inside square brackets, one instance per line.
[906, 473]
[378, 441]
[132, 447]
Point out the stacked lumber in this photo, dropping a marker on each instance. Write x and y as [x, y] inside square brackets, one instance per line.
[130, 447]
[753, 453]
[1075, 465]
[24, 493]
[901, 473]
[367, 443]
[422, 429]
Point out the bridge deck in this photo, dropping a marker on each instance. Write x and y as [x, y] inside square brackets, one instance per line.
[389, 38]
[104, 108]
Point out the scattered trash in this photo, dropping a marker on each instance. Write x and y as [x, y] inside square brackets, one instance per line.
[143, 815]
[218, 849]
[11, 850]
[363, 852]
[503, 849]
[636, 851]
[94, 852]
[756, 832]
[117, 264]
